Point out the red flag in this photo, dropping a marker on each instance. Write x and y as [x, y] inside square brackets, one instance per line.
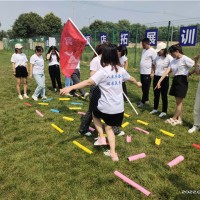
[72, 44]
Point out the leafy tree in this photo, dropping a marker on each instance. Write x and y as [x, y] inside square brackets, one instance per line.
[3, 34]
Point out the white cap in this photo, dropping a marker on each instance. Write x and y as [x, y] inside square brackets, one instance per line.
[18, 46]
[160, 46]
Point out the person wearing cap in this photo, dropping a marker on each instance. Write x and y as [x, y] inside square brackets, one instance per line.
[160, 64]
[148, 55]
[180, 67]
[19, 65]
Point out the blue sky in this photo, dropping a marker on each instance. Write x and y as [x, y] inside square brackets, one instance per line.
[85, 12]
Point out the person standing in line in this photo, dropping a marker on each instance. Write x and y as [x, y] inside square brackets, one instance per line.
[19, 65]
[180, 67]
[37, 71]
[122, 53]
[148, 55]
[196, 112]
[160, 64]
[110, 105]
[54, 67]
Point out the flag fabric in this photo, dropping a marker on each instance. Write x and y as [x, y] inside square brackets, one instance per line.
[72, 45]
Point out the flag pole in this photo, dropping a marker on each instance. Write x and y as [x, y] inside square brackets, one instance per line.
[83, 37]
[98, 56]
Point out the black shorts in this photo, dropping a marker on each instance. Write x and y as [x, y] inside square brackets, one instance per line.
[21, 72]
[179, 86]
[109, 119]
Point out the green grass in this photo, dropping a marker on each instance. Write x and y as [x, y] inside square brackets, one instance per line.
[39, 163]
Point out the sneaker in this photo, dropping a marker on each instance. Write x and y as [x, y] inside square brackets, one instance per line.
[121, 133]
[140, 105]
[68, 94]
[26, 96]
[87, 134]
[55, 90]
[153, 111]
[162, 114]
[86, 95]
[100, 141]
[177, 122]
[193, 129]
[114, 158]
[34, 98]
[20, 96]
[44, 97]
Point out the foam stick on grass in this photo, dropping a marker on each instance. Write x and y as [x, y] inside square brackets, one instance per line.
[57, 128]
[77, 103]
[126, 115]
[82, 147]
[157, 141]
[132, 183]
[125, 124]
[75, 108]
[136, 157]
[142, 130]
[142, 122]
[68, 118]
[64, 99]
[46, 100]
[196, 145]
[43, 104]
[167, 133]
[176, 161]
[128, 138]
[54, 110]
[81, 113]
[39, 113]
[27, 104]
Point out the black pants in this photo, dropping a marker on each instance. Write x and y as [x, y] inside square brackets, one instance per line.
[163, 90]
[146, 82]
[95, 94]
[76, 79]
[54, 72]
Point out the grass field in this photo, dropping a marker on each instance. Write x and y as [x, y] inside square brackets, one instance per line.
[37, 162]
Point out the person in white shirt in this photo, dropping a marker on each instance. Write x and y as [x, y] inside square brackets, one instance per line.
[148, 55]
[180, 67]
[110, 105]
[54, 67]
[122, 53]
[37, 71]
[19, 65]
[196, 112]
[160, 64]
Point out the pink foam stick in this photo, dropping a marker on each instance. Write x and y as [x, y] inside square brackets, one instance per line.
[142, 130]
[91, 129]
[39, 113]
[136, 157]
[175, 161]
[196, 145]
[132, 183]
[128, 138]
[81, 113]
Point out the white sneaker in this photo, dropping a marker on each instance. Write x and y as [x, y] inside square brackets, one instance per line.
[193, 129]
[44, 97]
[86, 95]
[34, 98]
[55, 90]
[140, 105]
[88, 134]
[162, 114]
[100, 141]
[20, 96]
[153, 111]
[68, 94]
[26, 96]
[121, 133]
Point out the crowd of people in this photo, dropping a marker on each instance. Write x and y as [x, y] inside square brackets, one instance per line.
[108, 74]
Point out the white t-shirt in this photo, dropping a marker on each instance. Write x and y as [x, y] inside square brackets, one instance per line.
[53, 60]
[148, 55]
[19, 59]
[110, 84]
[95, 64]
[122, 60]
[162, 63]
[38, 64]
[181, 66]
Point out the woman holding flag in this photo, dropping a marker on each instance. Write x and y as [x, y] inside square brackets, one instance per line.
[110, 105]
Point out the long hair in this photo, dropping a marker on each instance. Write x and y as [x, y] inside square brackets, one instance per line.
[110, 57]
[174, 48]
[123, 50]
[56, 50]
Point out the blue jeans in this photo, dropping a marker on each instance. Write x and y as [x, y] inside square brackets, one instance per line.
[67, 82]
[40, 80]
